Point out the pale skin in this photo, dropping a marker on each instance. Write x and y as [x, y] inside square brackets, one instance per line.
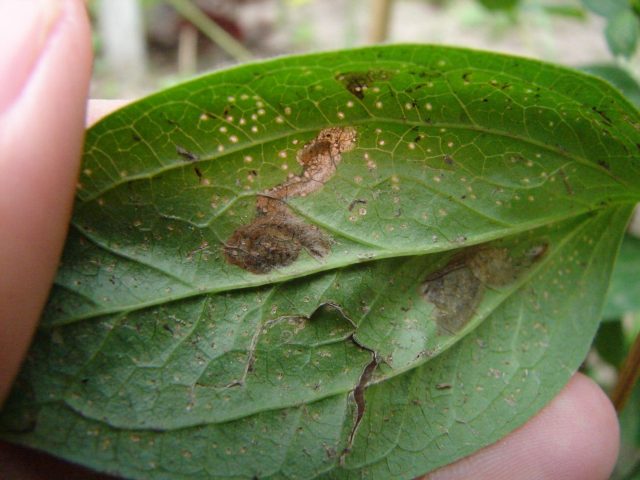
[45, 67]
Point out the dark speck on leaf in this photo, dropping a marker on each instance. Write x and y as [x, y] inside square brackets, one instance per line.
[604, 164]
[357, 201]
[357, 83]
[603, 115]
[186, 154]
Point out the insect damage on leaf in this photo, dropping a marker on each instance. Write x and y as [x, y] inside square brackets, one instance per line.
[276, 235]
[457, 289]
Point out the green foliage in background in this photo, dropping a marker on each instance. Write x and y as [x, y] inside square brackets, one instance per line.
[455, 264]
[621, 315]
[499, 4]
[623, 23]
[625, 287]
[619, 78]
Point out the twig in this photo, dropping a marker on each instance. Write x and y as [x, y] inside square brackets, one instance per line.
[629, 373]
[380, 20]
[212, 30]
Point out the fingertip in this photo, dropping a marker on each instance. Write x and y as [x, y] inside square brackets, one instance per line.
[584, 434]
[41, 134]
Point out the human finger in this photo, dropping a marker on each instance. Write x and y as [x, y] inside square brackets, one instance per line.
[45, 66]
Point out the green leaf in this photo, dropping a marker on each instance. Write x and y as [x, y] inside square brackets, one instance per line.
[610, 342]
[568, 11]
[619, 78]
[608, 8]
[622, 33]
[499, 4]
[624, 292]
[366, 264]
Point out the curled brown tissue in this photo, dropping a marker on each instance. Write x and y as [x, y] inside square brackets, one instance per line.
[276, 235]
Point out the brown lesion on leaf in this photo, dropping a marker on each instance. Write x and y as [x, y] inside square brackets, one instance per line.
[276, 235]
[274, 240]
[319, 160]
[357, 83]
[457, 289]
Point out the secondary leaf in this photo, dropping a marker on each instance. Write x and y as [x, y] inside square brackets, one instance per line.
[353, 264]
[499, 4]
[622, 33]
[624, 293]
[619, 78]
[607, 9]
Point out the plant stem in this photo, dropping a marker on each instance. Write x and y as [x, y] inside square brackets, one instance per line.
[629, 373]
[212, 30]
[380, 19]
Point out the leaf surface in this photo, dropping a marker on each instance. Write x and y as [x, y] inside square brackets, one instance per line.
[360, 264]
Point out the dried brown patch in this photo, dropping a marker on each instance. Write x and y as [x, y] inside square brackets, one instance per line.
[272, 241]
[492, 266]
[319, 159]
[457, 289]
[276, 236]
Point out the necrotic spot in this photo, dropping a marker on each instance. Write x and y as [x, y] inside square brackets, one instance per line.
[357, 83]
[273, 241]
[276, 236]
[455, 295]
[457, 289]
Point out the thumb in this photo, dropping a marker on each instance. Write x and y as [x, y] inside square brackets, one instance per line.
[45, 65]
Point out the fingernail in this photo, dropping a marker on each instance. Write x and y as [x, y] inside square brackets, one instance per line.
[25, 27]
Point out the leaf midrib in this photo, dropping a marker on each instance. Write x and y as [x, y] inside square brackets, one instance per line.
[261, 281]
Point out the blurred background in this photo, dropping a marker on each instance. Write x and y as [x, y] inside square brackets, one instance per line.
[143, 45]
[146, 45]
